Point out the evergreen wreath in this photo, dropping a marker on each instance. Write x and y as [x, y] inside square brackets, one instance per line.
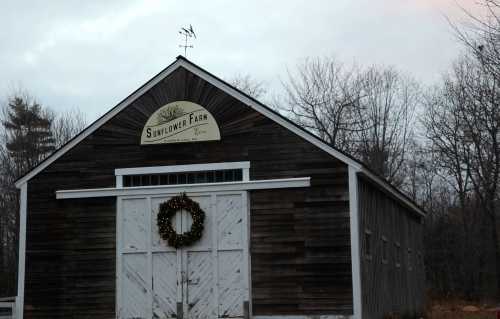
[167, 212]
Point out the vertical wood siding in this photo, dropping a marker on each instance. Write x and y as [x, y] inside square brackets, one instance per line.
[387, 288]
[300, 242]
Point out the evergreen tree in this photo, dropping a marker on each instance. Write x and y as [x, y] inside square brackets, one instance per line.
[28, 134]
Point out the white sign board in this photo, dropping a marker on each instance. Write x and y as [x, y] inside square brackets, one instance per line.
[180, 122]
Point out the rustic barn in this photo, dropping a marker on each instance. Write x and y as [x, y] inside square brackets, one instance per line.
[190, 199]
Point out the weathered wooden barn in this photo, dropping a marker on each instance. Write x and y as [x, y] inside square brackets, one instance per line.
[292, 228]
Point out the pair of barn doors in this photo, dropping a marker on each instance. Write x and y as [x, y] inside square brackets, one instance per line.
[209, 279]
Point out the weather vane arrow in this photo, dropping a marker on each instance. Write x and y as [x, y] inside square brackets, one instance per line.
[187, 33]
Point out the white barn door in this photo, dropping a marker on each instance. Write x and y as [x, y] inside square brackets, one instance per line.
[209, 279]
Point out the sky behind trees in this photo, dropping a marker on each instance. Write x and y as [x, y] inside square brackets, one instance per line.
[91, 54]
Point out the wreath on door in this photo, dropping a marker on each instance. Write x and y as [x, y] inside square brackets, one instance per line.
[167, 212]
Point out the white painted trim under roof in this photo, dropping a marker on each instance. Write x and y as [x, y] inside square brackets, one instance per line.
[181, 168]
[188, 188]
[103, 119]
[257, 106]
[385, 186]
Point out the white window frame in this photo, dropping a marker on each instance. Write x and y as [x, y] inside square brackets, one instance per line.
[120, 172]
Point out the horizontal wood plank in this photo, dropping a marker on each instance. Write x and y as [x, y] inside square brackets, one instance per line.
[300, 241]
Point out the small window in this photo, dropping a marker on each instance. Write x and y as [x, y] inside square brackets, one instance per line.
[409, 260]
[368, 244]
[202, 177]
[397, 254]
[384, 250]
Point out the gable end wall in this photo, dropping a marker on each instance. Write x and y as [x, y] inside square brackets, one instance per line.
[300, 240]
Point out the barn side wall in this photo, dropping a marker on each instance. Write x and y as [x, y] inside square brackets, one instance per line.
[300, 240]
[386, 287]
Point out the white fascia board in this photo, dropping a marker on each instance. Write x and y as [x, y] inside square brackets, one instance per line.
[236, 94]
[269, 114]
[101, 121]
[194, 188]
[385, 186]
[212, 80]
[181, 168]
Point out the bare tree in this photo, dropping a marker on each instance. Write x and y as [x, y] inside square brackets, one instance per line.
[248, 85]
[463, 123]
[366, 112]
[480, 74]
[385, 118]
[481, 36]
[66, 125]
[445, 132]
[323, 95]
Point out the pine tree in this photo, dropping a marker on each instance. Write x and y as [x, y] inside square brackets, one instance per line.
[28, 132]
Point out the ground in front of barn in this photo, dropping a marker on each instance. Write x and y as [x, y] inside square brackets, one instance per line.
[460, 309]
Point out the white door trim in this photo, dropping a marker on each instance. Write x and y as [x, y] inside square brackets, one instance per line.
[196, 188]
[246, 263]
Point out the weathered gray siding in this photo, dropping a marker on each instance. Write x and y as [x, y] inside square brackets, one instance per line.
[387, 288]
[300, 241]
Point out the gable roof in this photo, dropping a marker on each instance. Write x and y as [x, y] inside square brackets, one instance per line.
[239, 95]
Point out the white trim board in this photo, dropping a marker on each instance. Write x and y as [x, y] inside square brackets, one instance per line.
[103, 119]
[23, 202]
[357, 302]
[257, 106]
[182, 62]
[385, 187]
[181, 168]
[194, 188]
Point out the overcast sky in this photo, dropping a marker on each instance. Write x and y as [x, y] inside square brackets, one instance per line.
[91, 54]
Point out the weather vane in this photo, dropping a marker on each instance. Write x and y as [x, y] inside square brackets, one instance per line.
[187, 33]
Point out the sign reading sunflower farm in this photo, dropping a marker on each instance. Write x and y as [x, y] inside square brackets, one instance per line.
[180, 122]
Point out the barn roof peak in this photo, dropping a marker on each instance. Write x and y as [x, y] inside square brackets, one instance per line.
[183, 62]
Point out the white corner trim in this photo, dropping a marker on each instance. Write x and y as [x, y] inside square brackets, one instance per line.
[22, 250]
[181, 168]
[357, 302]
[194, 188]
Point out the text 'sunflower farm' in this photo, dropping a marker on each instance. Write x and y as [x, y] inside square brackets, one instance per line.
[180, 122]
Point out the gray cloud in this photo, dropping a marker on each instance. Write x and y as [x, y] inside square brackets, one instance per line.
[91, 54]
